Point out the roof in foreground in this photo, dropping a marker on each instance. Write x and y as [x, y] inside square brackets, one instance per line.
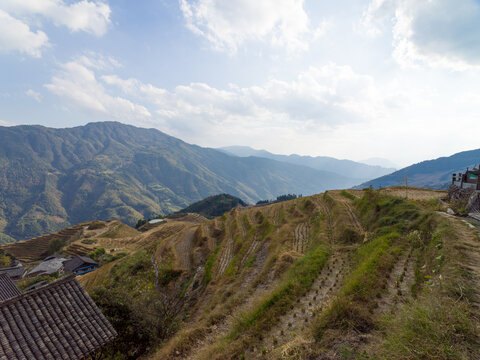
[57, 321]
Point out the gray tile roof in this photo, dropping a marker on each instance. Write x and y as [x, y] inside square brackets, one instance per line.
[48, 267]
[13, 272]
[78, 261]
[57, 321]
[8, 288]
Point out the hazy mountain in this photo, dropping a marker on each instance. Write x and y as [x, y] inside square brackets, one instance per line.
[357, 171]
[51, 178]
[376, 161]
[434, 174]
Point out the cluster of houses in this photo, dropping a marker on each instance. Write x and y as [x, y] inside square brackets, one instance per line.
[470, 179]
[59, 264]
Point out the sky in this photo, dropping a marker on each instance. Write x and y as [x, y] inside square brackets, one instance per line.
[354, 79]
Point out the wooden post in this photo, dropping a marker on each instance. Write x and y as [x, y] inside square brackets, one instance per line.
[406, 184]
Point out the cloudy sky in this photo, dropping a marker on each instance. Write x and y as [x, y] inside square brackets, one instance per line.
[397, 79]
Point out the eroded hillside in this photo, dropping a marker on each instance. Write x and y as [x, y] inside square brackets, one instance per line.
[359, 274]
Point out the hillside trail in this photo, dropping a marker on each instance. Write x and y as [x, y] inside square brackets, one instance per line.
[184, 247]
[468, 243]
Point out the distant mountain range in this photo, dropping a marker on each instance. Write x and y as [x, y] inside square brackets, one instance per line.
[53, 178]
[356, 171]
[433, 174]
[376, 161]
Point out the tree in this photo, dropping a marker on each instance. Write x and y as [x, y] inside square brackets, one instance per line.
[54, 245]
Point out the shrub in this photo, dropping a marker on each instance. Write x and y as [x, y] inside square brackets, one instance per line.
[54, 246]
[95, 225]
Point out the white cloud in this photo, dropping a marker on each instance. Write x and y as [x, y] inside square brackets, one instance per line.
[318, 99]
[229, 24]
[78, 85]
[5, 123]
[90, 16]
[97, 61]
[34, 94]
[440, 33]
[17, 36]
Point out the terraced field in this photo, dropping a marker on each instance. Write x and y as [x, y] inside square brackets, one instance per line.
[342, 275]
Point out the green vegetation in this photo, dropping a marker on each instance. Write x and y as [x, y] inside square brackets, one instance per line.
[95, 225]
[214, 206]
[298, 279]
[54, 246]
[209, 264]
[26, 282]
[5, 259]
[4, 239]
[436, 324]
[142, 314]
[279, 198]
[89, 241]
[348, 195]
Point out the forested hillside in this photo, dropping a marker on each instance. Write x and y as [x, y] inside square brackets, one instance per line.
[52, 178]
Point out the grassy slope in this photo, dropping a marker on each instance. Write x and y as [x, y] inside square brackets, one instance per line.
[399, 290]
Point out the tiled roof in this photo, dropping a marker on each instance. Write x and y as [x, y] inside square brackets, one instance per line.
[72, 264]
[8, 289]
[16, 271]
[57, 321]
[48, 267]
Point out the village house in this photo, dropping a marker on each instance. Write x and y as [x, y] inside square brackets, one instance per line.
[15, 271]
[56, 321]
[80, 265]
[468, 180]
[49, 266]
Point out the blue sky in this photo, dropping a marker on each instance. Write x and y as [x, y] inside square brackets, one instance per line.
[398, 79]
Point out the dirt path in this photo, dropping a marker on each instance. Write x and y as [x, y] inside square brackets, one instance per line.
[468, 243]
[183, 248]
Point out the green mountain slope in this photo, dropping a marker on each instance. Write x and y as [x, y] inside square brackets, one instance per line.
[52, 178]
[433, 174]
[214, 205]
